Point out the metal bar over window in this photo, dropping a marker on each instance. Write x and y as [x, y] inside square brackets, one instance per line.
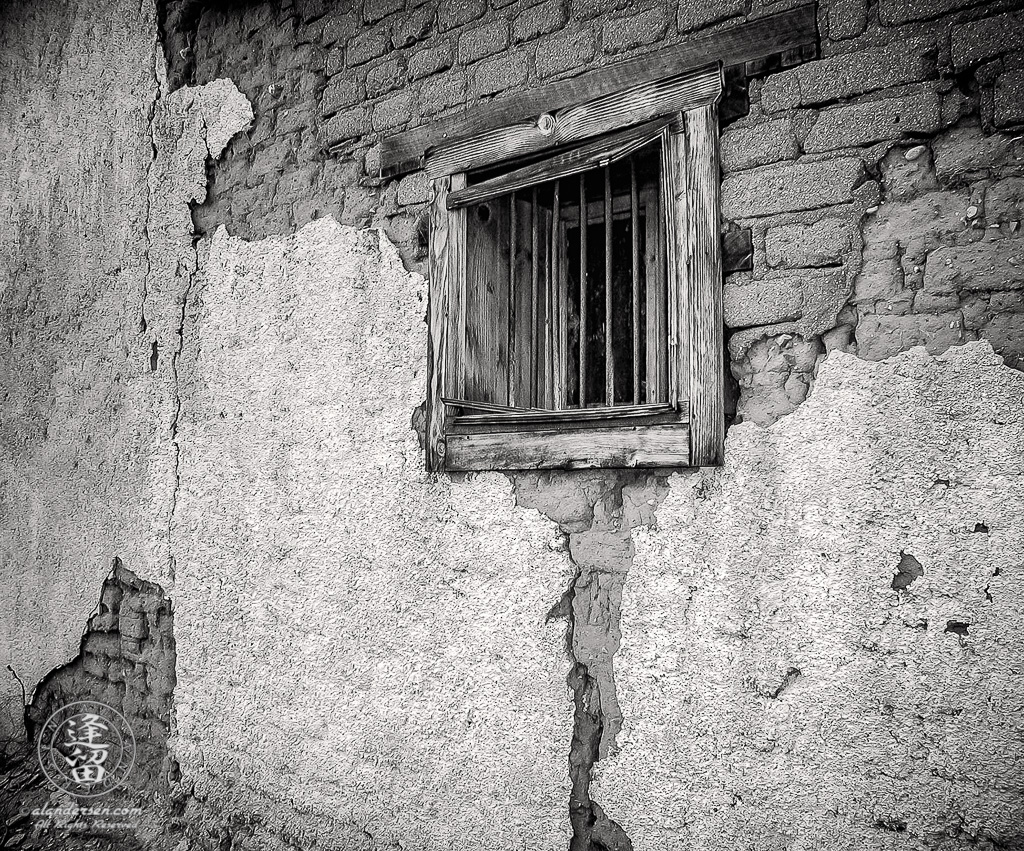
[583, 291]
[609, 354]
[634, 205]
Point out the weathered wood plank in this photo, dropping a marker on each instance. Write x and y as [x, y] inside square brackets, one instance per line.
[487, 296]
[535, 397]
[643, 446]
[513, 251]
[655, 339]
[442, 311]
[704, 251]
[572, 162]
[525, 318]
[622, 109]
[506, 419]
[748, 41]
[634, 207]
[678, 300]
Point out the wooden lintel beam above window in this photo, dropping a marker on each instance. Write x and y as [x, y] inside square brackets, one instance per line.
[751, 40]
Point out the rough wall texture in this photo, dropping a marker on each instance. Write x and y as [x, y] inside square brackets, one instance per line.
[75, 388]
[363, 651]
[370, 657]
[838, 169]
[821, 642]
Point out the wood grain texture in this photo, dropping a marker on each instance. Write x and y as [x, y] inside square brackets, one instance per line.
[629, 446]
[437, 324]
[583, 292]
[656, 341]
[505, 420]
[485, 350]
[678, 290]
[704, 252]
[748, 41]
[607, 150]
[631, 106]
[609, 345]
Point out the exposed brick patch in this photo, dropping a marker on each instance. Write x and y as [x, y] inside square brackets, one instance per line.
[374, 10]
[483, 41]
[847, 18]
[539, 20]
[892, 12]
[796, 186]
[127, 661]
[976, 40]
[1009, 98]
[385, 77]
[860, 124]
[456, 13]
[341, 92]
[500, 73]
[442, 91]
[620, 34]
[991, 265]
[823, 243]
[417, 25]
[423, 63]
[394, 111]
[762, 143]
[564, 52]
[368, 45]
[848, 74]
[694, 14]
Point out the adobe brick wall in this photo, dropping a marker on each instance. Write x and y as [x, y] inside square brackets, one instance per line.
[834, 168]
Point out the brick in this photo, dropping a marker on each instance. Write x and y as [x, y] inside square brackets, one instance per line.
[347, 124]
[1009, 98]
[847, 18]
[880, 337]
[500, 73]
[1006, 334]
[767, 142]
[369, 45]
[1004, 201]
[483, 41]
[414, 27]
[645, 27]
[863, 123]
[393, 111]
[540, 20]
[423, 63]
[976, 40]
[456, 13]
[338, 94]
[694, 14]
[375, 10]
[338, 29]
[414, 189]
[747, 303]
[847, 75]
[584, 9]
[384, 78]
[996, 264]
[442, 91]
[824, 243]
[793, 186]
[810, 297]
[335, 61]
[564, 52]
[892, 12]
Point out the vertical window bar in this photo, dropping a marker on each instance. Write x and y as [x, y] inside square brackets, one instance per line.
[557, 370]
[609, 359]
[634, 203]
[534, 296]
[512, 251]
[583, 291]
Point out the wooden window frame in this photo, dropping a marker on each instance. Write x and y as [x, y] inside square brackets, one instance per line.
[691, 430]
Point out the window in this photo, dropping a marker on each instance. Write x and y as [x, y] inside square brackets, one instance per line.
[575, 288]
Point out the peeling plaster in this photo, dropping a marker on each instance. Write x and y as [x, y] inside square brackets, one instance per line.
[779, 686]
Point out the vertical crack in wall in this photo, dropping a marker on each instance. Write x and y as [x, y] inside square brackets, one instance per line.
[596, 512]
